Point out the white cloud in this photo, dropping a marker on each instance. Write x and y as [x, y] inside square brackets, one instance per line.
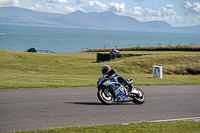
[137, 11]
[169, 6]
[192, 8]
[187, 4]
[94, 6]
[190, 13]
[196, 7]
[167, 11]
[9, 3]
[151, 12]
[117, 7]
[163, 11]
[52, 6]
[57, 1]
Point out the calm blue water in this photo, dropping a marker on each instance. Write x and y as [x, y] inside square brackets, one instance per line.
[21, 38]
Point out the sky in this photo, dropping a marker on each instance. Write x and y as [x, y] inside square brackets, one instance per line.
[178, 13]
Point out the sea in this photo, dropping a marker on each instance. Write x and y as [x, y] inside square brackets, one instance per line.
[21, 38]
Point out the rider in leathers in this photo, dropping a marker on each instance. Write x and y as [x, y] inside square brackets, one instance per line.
[111, 73]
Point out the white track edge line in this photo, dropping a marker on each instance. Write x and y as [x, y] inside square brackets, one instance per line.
[175, 119]
[168, 120]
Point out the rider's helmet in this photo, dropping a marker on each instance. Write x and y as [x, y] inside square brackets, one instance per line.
[105, 69]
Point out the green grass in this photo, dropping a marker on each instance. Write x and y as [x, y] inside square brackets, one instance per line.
[34, 70]
[189, 126]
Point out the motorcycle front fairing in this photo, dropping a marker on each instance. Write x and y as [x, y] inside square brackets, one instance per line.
[119, 89]
[120, 94]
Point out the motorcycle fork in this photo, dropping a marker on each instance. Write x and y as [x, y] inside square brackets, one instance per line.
[106, 92]
[109, 91]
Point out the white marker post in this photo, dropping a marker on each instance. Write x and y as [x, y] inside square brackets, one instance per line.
[157, 71]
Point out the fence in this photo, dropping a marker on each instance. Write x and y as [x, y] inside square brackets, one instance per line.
[45, 51]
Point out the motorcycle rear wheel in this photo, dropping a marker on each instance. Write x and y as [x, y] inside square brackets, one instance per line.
[105, 96]
[139, 99]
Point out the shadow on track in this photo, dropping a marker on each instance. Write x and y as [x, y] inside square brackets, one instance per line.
[93, 103]
[84, 103]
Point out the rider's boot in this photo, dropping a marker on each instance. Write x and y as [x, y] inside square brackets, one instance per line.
[130, 88]
[132, 91]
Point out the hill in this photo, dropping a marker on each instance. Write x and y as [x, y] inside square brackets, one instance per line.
[80, 20]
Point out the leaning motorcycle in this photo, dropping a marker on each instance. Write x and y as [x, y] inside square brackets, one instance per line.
[110, 91]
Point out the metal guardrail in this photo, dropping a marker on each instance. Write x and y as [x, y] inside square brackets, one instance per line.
[44, 51]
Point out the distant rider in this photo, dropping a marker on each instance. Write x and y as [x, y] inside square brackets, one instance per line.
[111, 73]
[114, 51]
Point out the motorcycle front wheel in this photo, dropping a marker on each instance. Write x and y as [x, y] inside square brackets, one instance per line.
[139, 99]
[105, 96]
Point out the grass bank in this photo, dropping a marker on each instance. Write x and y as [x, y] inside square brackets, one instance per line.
[35, 70]
[189, 126]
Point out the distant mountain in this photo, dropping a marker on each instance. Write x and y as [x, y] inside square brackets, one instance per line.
[81, 20]
[14, 15]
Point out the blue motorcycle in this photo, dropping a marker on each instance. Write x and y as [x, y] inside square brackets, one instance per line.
[110, 90]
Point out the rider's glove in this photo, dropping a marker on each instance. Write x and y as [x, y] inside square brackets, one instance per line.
[111, 76]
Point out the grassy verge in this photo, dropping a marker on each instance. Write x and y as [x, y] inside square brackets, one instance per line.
[153, 48]
[34, 70]
[189, 126]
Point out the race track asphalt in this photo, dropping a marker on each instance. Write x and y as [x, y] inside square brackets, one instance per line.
[33, 109]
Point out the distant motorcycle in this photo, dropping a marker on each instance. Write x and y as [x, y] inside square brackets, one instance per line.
[110, 90]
